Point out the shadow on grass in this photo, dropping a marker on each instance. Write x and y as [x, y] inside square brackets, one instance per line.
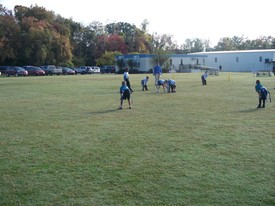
[251, 110]
[105, 111]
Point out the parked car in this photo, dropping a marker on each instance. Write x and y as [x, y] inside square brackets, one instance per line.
[35, 71]
[3, 69]
[96, 69]
[67, 70]
[84, 70]
[51, 69]
[16, 71]
[107, 69]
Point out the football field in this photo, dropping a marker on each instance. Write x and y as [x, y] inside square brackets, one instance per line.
[64, 141]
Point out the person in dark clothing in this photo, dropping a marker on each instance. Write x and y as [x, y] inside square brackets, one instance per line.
[124, 94]
[126, 78]
[262, 92]
[203, 78]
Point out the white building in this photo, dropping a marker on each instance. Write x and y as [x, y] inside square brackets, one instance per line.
[239, 61]
[229, 61]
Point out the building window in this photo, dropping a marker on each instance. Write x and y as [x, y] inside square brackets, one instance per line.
[216, 59]
[237, 59]
[203, 61]
[181, 62]
[171, 62]
[260, 59]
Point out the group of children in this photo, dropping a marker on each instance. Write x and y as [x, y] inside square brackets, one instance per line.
[169, 85]
[125, 90]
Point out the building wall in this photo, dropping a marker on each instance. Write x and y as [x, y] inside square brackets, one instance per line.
[231, 61]
[143, 61]
[240, 61]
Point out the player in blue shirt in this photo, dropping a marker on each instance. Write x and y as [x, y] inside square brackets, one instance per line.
[261, 92]
[124, 94]
[162, 83]
[171, 85]
[157, 71]
[203, 78]
[144, 83]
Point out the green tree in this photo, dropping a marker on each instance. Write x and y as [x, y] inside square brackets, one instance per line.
[97, 27]
[195, 45]
[225, 44]
[144, 25]
[108, 58]
[160, 57]
[198, 45]
[87, 44]
[162, 42]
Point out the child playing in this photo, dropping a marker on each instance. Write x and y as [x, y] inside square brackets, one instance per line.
[126, 78]
[162, 83]
[203, 78]
[124, 94]
[144, 83]
[171, 85]
[262, 92]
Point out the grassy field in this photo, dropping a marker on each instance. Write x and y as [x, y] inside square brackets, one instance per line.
[64, 142]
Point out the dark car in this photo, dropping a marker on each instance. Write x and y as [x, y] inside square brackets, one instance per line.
[35, 71]
[3, 69]
[107, 69]
[16, 71]
[67, 70]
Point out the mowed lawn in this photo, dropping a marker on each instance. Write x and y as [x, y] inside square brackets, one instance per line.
[64, 142]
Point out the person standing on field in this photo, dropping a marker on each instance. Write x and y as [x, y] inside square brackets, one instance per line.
[157, 71]
[203, 78]
[126, 78]
[124, 94]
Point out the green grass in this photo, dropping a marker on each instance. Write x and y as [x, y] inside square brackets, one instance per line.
[64, 142]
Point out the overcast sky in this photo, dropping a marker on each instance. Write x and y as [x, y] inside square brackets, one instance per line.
[204, 19]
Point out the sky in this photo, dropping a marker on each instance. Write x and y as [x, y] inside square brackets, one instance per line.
[182, 19]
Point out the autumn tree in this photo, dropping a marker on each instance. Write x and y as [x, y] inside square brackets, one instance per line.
[44, 38]
[9, 31]
[115, 42]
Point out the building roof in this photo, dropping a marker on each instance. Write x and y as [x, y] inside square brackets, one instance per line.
[237, 51]
[131, 56]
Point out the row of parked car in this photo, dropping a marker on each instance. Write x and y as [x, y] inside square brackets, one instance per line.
[51, 70]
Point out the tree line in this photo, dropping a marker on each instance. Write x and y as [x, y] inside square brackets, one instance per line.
[36, 36]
